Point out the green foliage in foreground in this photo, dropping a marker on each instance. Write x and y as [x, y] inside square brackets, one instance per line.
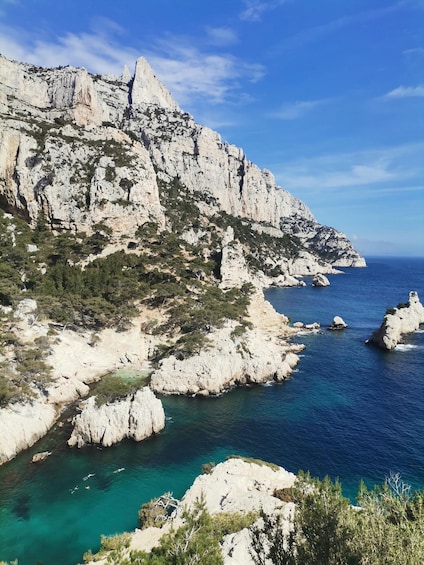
[272, 466]
[197, 541]
[386, 529]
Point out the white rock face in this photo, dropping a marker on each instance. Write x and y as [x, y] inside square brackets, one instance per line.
[258, 355]
[320, 280]
[74, 364]
[21, 425]
[403, 321]
[136, 417]
[147, 89]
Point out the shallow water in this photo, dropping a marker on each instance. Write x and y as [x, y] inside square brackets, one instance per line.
[349, 411]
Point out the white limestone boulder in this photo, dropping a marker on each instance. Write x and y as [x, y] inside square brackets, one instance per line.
[338, 323]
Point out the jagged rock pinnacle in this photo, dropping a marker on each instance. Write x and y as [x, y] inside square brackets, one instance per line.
[147, 88]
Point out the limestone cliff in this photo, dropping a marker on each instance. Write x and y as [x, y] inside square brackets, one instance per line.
[82, 149]
[137, 231]
[404, 319]
[256, 355]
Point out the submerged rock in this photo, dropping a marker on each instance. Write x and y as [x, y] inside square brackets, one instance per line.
[397, 322]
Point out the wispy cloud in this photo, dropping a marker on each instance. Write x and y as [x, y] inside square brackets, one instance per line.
[406, 92]
[414, 51]
[312, 34]
[342, 171]
[189, 71]
[97, 51]
[221, 36]
[298, 109]
[255, 8]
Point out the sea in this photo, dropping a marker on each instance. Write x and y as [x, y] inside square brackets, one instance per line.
[349, 411]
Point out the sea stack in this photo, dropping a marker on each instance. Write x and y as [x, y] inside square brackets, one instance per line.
[404, 319]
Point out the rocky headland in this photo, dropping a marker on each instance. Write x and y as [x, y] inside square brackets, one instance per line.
[236, 486]
[406, 318]
[134, 237]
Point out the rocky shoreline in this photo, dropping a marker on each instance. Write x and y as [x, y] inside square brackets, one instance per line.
[261, 353]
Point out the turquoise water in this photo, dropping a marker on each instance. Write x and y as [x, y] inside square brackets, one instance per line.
[349, 411]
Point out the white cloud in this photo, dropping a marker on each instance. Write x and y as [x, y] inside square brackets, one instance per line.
[98, 52]
[221, 36]
[406, 92]
[189, 72]
[255, 8]
[388, 167]
[192, 73]
[297, 109]
[312, 34]
[414, 51]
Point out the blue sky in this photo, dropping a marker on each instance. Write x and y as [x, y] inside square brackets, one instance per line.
[328, 95]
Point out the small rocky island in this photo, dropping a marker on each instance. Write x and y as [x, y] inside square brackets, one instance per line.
[404, 319]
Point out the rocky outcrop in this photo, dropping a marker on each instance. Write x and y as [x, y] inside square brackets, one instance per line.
[136, 417]
[404, 319]
[21, 425]
[77, 359]
[320, 280]
[231, 358]
[237, 485]
[338, 324]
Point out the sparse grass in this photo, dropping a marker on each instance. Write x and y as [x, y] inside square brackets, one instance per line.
[272, 466]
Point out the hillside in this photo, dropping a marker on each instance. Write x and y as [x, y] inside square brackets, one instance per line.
[131, 236]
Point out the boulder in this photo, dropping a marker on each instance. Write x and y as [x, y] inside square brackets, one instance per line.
[397, 322]
[40, 456]
[320, 280]
[338, 324]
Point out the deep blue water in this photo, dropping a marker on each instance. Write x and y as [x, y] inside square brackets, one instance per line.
[349, 411]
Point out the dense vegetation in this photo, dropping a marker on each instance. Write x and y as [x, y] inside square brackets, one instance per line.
[387, 528]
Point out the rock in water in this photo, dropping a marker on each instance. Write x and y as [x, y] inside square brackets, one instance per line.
[338, 324]
[320, 280]
[404, 319]
[137, 417]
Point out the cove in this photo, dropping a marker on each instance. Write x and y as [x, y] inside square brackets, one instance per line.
[349, 411]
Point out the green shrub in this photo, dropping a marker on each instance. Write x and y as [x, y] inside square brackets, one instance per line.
[114, 387]
[386, 529]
